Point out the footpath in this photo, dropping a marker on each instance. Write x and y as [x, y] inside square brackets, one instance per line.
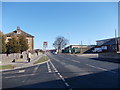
[21, 63]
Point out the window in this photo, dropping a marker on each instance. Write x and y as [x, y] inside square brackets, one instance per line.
[27, 40]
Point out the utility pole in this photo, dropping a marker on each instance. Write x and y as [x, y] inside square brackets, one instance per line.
[81, 48]
[45, 44]
[116, 40]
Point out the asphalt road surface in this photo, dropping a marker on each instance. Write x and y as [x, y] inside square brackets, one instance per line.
[64, 71]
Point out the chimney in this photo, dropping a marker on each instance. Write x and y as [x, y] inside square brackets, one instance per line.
[18, 28]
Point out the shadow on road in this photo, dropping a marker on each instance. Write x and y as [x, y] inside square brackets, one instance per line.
[104, 79]
[106, 60]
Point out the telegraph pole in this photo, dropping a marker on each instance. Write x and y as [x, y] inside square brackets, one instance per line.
[116, 40]
[81, 48]
[45, 44]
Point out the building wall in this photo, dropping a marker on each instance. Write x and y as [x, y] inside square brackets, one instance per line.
[7, 39]
[30, 43]
[79, 48]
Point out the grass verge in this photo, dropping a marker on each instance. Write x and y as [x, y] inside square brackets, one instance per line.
[42, 59]
[6, 67]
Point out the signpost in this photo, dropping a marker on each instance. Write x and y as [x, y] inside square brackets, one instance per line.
[45, 44]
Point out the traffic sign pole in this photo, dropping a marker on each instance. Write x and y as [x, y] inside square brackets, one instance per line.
[45, 44]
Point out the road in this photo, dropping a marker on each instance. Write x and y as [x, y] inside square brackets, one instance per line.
[65, 71]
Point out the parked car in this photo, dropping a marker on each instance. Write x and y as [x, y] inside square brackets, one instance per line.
[97, 50]
[55, 53]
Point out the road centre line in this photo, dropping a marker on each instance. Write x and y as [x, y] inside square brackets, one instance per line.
[100, 68]
[48, 66]
[75, 61]
[94, 66]
[60, 75]
[21, 71]
[53, 67]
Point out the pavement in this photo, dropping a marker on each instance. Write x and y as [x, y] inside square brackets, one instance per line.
[21, 63]
[65, 72]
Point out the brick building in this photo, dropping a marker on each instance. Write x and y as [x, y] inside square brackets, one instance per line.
[17, 32]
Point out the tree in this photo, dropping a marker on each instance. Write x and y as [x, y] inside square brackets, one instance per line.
[60, 43]
[13, 45]
[2, 43]
[23, 44]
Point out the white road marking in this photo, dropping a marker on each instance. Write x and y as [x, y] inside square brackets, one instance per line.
[21, 71]
[67, 84]
[75, 61]
[100, 68]
[60, 75]
[48, 66]
[23, 81]
[20, 76]
[36, 68]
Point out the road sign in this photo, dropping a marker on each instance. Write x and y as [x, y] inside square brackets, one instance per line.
[45, 44]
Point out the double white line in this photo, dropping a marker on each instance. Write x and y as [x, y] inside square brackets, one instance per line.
[48, 66]
[61, 77]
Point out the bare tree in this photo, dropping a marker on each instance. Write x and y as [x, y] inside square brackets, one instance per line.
[60, 43]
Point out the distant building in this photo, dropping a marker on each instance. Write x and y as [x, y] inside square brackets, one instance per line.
[111, 45]
[110, 48]
[17, 32]
[79, 49]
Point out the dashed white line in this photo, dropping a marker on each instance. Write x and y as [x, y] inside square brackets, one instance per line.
[75, 61]
[100, 68]
[60, 75]
[21, 71]
[48, 66]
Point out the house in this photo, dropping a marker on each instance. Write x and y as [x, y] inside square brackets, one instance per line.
[79, 49]
[17, 32]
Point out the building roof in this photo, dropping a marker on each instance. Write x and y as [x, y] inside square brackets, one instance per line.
[107, 39]
[81, 45]
[110, 41]
[17, 32]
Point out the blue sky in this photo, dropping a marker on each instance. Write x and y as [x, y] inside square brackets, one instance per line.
[84, 21]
